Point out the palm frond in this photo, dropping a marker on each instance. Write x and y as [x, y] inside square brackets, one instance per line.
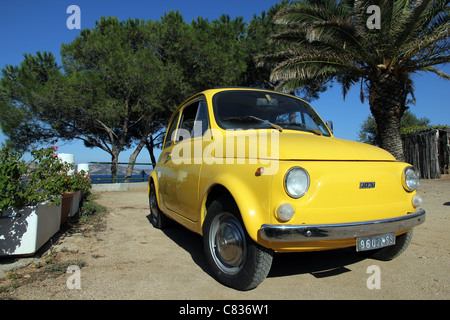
[413, 26]
[329, 39]
[331, 25]
[440, 73]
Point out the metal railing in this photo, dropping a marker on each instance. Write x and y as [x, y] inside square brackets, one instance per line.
[117, 179]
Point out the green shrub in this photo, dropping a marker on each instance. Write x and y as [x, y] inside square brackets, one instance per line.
[43, 178]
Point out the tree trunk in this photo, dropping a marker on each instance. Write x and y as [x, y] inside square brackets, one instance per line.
[132, 160]
[150, 146]
[387, 99]
[114, 165]
[142, 142]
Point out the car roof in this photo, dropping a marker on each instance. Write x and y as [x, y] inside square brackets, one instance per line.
[214, 90]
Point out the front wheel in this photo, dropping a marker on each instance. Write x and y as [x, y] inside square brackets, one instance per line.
[236, 260]
[389, 253]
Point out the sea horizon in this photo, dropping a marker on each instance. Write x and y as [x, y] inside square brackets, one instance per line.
[106, 178]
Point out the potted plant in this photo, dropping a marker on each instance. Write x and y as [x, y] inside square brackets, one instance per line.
[67, 194]
[80, 185]
[30, 200]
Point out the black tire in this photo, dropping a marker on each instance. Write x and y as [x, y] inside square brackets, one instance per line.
[156, 217]
[389, 253]
[236, 260]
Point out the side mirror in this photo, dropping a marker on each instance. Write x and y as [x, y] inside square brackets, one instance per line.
[330, 125]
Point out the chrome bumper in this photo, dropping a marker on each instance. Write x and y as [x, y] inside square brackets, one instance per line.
[302, 233]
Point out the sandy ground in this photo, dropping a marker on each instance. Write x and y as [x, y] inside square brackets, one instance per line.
[129, 259]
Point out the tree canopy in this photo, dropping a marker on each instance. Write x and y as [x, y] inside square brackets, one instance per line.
[120, 81]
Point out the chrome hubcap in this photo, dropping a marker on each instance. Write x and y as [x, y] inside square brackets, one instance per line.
[227, 243]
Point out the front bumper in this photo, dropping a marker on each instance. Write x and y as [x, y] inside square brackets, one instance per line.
[306, 233]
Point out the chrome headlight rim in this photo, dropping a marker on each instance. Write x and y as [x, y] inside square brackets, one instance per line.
[410, 178]
[288, 188]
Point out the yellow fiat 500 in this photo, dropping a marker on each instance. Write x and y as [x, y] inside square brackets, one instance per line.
[257, 171]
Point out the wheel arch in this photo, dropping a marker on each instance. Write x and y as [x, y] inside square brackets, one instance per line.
[215, 192]
[245, 201]
[154, 180]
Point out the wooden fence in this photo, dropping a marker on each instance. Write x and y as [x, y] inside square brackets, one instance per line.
[428, 151]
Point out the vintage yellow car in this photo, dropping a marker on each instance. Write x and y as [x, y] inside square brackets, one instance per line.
[256, 171]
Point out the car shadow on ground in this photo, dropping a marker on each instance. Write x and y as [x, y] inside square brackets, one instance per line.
[320, 264]
[190, 241]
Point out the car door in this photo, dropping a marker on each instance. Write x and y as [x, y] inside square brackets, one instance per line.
[182, 161]
[164, 169]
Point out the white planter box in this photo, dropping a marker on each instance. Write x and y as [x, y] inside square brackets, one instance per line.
[75, 203]
[29, 229]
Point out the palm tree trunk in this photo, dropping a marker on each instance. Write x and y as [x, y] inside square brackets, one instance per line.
[387, 99]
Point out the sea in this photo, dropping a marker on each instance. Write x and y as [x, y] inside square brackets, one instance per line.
[106, 178]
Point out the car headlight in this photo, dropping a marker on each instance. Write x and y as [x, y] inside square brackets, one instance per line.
[411, 178]
[296, 182]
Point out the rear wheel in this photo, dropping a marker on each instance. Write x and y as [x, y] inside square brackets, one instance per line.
[157, 218]
[236, 260]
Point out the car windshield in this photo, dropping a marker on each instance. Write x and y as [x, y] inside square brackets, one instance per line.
[265, 110]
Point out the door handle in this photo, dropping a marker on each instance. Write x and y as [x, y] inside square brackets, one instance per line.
[168, 155]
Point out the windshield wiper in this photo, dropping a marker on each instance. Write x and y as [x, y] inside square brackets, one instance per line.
[307, 128]
[250, 118]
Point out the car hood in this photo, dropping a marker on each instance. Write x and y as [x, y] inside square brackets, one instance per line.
[305, 146]
[299, 146]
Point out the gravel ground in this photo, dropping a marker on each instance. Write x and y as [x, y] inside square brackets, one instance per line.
[126, 258]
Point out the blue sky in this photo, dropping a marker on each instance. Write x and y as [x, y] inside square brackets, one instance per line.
[28, 26]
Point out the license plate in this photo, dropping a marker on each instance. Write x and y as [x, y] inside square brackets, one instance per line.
[376, 242]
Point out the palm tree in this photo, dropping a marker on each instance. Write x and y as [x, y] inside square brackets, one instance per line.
[334, 40]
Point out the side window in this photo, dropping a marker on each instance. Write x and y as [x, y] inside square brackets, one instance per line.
[170, 131]
[194, 121]
[201, 120]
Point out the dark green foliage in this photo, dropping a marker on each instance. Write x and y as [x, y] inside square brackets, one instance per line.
[120, 81]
